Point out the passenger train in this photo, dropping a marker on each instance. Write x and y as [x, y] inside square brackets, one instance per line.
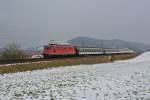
[58, 50]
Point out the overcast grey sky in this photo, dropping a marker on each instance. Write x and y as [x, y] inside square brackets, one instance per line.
[34, 22]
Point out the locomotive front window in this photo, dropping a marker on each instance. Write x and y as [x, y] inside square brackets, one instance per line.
[47, 48]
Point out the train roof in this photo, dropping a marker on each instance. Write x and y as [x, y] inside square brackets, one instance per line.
[101, 47]
[64, 45]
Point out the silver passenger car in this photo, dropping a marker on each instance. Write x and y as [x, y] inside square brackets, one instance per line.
[98, 51]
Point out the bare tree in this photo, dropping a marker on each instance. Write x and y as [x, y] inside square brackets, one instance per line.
[12, 51]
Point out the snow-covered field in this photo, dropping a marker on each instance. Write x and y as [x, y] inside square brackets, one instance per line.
[123, 80]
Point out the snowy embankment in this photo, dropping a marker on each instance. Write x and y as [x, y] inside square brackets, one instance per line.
[123, 80]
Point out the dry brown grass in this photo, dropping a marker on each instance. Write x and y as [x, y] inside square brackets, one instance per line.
[64, 62]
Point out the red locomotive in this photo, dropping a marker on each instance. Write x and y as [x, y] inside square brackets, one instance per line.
[56, 50]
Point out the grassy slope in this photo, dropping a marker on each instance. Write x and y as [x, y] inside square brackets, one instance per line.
[64, 62]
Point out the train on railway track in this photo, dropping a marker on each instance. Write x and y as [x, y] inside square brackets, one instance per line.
[59, 50]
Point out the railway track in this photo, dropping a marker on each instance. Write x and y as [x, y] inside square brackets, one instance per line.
[15, 61]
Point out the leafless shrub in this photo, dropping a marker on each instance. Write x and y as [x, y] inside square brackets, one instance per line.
[12, 51]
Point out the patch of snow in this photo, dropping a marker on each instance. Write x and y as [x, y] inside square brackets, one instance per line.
[143, 57]
[110, 81]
